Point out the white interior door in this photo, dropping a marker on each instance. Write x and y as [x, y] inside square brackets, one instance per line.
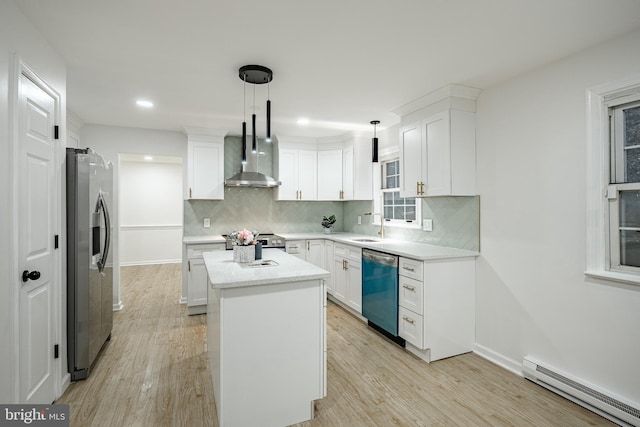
[36, 216]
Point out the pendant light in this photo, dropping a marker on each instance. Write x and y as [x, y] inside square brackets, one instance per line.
[374, 142]
[244, 122]
[257, 75]
[268, 136]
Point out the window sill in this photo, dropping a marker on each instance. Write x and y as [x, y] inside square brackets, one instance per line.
[615, 276]
[413, 225]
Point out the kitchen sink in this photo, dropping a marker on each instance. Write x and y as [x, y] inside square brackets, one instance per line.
[365, 240]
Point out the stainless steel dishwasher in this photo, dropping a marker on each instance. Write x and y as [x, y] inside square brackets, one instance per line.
[380, 293]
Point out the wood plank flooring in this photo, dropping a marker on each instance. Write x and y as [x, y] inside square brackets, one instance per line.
[154, 372]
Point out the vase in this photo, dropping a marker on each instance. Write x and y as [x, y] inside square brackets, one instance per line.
[327, 231]
[244, 253]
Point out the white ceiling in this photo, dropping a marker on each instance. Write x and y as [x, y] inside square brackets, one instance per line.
[341, 63]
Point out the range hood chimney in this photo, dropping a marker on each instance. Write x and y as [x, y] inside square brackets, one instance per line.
[249, 176]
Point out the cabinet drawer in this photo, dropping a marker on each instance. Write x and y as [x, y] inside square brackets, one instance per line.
[410, 294]
[410, 327]
[354, 254]
[295, 247]
[410, 268]
[195, 251]
[340, 250]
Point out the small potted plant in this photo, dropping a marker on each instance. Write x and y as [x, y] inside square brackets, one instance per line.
[327, 223]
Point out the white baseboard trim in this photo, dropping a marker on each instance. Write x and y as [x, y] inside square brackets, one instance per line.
[183, 300]
[66, 382]
[498, 359]
[118, 306]
[157, 261]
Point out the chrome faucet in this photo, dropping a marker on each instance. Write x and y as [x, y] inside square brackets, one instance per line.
[381, 232]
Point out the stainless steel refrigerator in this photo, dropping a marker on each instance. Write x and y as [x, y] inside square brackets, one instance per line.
[89, 261]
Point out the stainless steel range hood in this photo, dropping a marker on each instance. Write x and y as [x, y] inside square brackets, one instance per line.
[249, 176]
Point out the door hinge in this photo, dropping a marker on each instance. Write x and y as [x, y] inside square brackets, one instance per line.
[55, 242]
[56, 132]
[56, 351]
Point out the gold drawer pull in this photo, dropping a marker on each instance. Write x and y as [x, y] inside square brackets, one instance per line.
[406, 319]
[411, 288]
[408, 268]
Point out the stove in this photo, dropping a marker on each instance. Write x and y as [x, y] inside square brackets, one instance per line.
[268, 241]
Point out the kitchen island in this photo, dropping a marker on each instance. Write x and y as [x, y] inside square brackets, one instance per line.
[266, 338]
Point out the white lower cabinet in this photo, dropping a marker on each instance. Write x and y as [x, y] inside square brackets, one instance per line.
[436, 313]
[308, 250]
[296, 248]
[347, 275]
[195, 275]
[329, 265]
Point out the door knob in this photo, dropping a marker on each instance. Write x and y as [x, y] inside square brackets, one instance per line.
[26, 275]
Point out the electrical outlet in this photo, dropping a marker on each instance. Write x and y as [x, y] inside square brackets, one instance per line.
[427, 224]
[207, 222]
[359, 220]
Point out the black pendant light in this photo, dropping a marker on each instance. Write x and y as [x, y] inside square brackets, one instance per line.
[374, 142]
[257, 75]
[268, 136]
[244, 122]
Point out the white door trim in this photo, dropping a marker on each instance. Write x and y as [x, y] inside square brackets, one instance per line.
[20, 67]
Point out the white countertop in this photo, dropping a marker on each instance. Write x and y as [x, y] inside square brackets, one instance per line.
[413, 250]
[224, 273]
[191, 240]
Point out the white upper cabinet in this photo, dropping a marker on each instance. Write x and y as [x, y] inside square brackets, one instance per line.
[297, 170]
[357, 171]
[332, 169]
[411, 160]
[205, 167]
[330, 175]
[347, 174]
[438, 145]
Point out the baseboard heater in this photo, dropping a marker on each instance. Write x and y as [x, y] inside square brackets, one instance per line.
[597, 400]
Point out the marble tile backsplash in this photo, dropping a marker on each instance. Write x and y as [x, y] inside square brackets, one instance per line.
[255, 208]
[455, 219]
[456, 222]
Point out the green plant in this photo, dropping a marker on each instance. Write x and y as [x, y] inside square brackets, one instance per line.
[328, 222]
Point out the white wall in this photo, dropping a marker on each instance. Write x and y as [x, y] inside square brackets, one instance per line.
[150, 212]
[18, 37]
[532, 296]
[110, 141]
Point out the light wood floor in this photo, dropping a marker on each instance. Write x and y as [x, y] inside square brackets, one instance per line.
[154, 372]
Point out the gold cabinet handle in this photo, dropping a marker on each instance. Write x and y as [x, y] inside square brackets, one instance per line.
[422, 188]
[411, 288]
[408, 268]
[408, 320]
[417, 188]
[308, 246]
[190, 192]
[188, 265]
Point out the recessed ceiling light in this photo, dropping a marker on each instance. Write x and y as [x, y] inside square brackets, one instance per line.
[303, 121]
[144, 103]
[148, 158]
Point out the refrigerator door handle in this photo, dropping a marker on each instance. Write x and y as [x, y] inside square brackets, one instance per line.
[107, 225]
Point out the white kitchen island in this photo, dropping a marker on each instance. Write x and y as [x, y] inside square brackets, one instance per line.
[266, 338]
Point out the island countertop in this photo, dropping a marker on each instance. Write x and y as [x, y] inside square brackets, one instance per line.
[225, 273]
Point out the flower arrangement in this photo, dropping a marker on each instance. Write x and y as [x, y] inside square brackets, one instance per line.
[244, 237]
[328, 222]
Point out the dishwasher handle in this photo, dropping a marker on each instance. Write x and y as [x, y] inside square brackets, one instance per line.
[380, 257]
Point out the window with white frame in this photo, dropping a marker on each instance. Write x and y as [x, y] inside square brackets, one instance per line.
[624, 189]
[397, 210]
[613, 181]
